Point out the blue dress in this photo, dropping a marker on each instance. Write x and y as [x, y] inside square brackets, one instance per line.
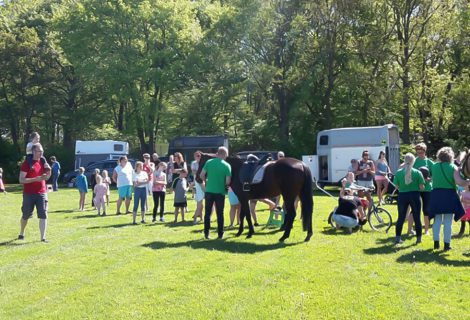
[81, 183]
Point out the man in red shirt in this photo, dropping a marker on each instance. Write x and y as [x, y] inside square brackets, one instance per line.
[33, 180]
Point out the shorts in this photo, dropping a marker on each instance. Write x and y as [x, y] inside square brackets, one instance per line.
[232, 198]
[380, 178]
[345, 221]
[199, 192]
[365, 183]
[34, 200]
[183, 204]
[125, 192]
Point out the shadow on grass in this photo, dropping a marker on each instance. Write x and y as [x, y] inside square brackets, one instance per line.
[61, 211]
[220, 245]
[429, 256]
[12, 242]
[90, 216]
[120, 225]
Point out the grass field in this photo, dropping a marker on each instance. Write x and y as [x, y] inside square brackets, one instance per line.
[105, 268]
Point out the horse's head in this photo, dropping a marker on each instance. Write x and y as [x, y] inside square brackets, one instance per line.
[202, 162]
[465, 165]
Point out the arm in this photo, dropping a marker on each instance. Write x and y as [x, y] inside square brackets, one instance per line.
[372, 168]
[24, 180]
[202, 175]
[228, 180]
[114, 176]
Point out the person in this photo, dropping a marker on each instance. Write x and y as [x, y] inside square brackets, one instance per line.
[159, 191]
[423, 161]
[2, 185]
[178, 165]
[272, 205]
[180, 187]
[95, 174]
[353, 167]
[149, 167]
[346, 183]
[445, 203]
[216, 174]
[381, 179]
[409, 182]
[156, 161]
[122, 176]
[33, 178]
[55, 169]
[234, 207]
[107, 182]
[199, 191]
[34, 138]
[99, 191]
[280, 155]
[465, 198]
[169, 171]
[349, 213]
[81, 183]
[140, 181]
[365, 171]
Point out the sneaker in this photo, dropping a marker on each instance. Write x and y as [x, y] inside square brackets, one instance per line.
[162, 219]
[104, 213]
[45, 240]
[256, 224]
[21, 237]
[134, 223]
[153, 220]
[412, 233]
[118, 213]
[398, 241]
[143, 221]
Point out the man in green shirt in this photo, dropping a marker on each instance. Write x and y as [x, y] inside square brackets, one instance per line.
[216, 174]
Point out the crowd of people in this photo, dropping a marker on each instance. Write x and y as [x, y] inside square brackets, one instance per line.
[424, 186]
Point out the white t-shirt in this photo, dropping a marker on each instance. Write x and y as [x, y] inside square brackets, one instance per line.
[124, 175]
[140, 177]
[194, 166]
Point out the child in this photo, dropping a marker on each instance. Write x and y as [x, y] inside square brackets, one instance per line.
[347, 182]
[33, 139]
[82, 185]
[93, 184]
[140, 180]
[2, 186]
[180, 186]
[159, 190]
[234, 207]
[465, 198]
[169, 172]
[100, 195]
[107, 182]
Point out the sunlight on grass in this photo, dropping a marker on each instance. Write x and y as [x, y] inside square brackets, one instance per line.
[104, 267]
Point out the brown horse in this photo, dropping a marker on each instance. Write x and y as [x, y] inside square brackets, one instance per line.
[288, 177]
[465, 164]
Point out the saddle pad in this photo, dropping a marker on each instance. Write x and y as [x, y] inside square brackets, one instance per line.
[260, 173]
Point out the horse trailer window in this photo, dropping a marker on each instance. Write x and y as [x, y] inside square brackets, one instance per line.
[118, 147]
[323, 140]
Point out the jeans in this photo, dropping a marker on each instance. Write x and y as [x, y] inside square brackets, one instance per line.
[55, 185]
[436, 227]
[140, 194]
[158, 197]
[344, 221]
[406, 199]
[219, 200]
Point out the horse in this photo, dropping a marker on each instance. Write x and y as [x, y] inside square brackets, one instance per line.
[464, 160]
[288, 177]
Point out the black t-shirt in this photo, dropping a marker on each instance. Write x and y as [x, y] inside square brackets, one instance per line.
[347, 205]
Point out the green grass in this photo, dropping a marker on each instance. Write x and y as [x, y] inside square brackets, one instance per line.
[105, 268]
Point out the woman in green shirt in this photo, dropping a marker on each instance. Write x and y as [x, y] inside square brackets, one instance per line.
[445, 202]
[409, 182]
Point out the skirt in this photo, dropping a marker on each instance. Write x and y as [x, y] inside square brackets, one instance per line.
[445, 201]
[466, 217]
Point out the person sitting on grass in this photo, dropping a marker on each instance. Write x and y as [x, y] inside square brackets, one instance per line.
[349, 213]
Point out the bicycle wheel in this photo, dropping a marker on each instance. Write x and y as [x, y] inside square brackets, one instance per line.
[380, 219]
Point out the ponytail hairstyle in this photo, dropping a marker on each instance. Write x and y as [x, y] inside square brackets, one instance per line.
[409, 161]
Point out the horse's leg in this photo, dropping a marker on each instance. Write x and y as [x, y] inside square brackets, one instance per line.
[251, 229]
[289, 218]
[243, 214]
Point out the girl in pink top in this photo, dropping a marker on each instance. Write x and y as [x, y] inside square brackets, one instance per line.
[100, 191]
[107, 182]
[2, 186]
[465, 198]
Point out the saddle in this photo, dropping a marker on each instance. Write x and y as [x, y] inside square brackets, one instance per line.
[252, 171]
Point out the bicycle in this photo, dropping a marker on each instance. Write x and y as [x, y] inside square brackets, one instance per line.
[378, 218]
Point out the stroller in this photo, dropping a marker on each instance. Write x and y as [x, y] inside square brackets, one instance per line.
[392, 191]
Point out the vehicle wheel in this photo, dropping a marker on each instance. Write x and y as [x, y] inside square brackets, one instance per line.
[388, 200]
[380, 220]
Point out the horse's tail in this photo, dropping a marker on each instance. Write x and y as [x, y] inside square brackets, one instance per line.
[306, 197]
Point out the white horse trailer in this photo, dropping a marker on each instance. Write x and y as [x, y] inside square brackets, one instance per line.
[336, 148]
[87, 152]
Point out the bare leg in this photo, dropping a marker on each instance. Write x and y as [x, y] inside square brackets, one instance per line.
[253, 211]
[183, 209]
[23, 224]
[118, 205]
[128, 202]
[176, 214]
[42, 228]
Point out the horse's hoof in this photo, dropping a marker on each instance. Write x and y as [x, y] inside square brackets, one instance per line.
[249, 235]
[307, 239]
[283, 238]
[238, 234]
